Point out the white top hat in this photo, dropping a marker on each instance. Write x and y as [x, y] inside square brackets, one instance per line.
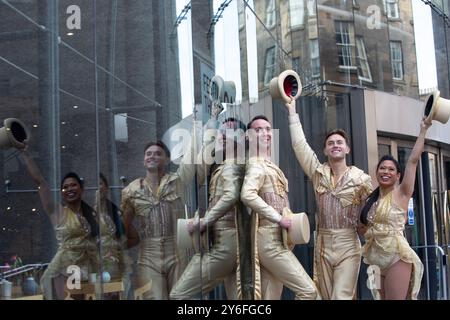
[285, 85]
[437, 108]
[13, 134]
[299, 231]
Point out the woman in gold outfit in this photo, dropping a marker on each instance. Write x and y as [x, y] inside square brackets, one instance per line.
[383, 218]
[75, 226]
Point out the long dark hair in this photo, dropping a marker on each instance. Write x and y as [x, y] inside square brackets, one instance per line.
[86, 210]
[113, 211]
[373, 197]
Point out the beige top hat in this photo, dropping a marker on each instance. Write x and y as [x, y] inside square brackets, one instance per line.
[13, 134]
[437, 108]
[299, 231]
[285, 85]
[187, 240]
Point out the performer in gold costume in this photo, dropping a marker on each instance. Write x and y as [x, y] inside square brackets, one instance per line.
[264, 191]
[156, 203]
[205, 272]
[340, 193]
[76, 230]
[384, 218]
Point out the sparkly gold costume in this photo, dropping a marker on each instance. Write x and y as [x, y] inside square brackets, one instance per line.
[386, 244]
[76, 247]
[265, 191]
[156, 213]
[337, 252]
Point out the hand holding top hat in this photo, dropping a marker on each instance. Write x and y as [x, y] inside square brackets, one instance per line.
[287, 86]
[298, 232]
[14, 134]
[436, 108]
[190, 234]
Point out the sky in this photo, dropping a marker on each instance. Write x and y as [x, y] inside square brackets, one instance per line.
[423, 32]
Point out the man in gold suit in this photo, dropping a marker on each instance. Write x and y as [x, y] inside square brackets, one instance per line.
[265, 192]
[204, 273]
[156, 203]
[340, 191]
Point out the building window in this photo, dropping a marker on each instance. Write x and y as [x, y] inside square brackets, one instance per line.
[363, 63]
[311, 4]
[383, 149]
[297, 13]
[391, 8]
[396, 60]
[343, 42]
[314, 56]
[269, 66]
[270, 14]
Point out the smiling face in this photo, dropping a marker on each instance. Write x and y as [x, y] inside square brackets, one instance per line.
[71, 190]
[387, 174]
[155, 158]
[336, 147]
[261, 133]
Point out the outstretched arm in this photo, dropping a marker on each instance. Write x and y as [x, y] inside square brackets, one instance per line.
[305, 155]
[44, 191]
[406, 188]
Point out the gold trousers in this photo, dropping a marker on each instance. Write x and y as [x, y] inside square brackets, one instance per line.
[271, 288]
[337, 258]
[283, 264]
[204, 273]
[159, 262]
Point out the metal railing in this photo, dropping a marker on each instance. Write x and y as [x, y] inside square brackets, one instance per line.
[21, 270]
[442, 263]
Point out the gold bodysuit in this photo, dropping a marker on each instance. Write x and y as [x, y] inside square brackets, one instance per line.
[337, 251]
[76, 246]
[386, 244]
[264, 191]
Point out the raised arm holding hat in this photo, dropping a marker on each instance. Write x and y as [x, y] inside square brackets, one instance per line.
[340, 191]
